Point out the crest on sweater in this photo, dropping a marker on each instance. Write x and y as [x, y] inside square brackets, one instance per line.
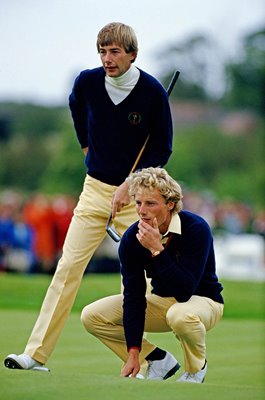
[134, 118]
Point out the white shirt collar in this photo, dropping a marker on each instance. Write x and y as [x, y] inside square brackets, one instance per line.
[174, 225]
[128, 79]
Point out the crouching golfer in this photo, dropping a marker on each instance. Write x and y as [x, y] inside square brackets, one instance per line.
[175, 249]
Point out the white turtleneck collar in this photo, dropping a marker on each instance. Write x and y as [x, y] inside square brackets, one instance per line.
[119, 88]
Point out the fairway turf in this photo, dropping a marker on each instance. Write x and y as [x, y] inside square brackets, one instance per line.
[83, 368]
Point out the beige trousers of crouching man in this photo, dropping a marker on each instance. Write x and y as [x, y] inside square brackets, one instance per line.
[189, 322]
[86, 231]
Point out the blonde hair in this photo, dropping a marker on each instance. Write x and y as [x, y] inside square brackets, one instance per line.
[121, 34]
[156, 178]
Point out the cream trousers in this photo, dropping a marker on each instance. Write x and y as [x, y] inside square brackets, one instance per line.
[85, 233]
[188, 321]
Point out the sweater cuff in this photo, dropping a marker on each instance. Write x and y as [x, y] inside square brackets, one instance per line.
[134, 347]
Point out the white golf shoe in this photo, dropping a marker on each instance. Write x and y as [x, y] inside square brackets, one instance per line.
[23, 361]
[162, 369]
[197, 377]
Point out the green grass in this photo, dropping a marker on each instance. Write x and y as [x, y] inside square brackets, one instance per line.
[26, 292]
[82, 368]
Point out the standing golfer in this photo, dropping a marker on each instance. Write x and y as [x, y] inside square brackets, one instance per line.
[114, 108]
[175, 249]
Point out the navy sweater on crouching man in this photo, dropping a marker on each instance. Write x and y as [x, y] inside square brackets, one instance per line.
[114, 134]
[184, 268]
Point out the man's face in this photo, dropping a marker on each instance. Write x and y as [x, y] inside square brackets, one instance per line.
[151, 204]
[115, 60]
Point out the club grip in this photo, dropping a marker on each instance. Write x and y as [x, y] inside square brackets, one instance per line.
[172, 83]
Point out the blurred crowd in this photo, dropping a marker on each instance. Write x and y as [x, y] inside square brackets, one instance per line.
[226, 216]
[32, 230]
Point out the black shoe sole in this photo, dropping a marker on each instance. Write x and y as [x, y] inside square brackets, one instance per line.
[172, 371]
[12, 364]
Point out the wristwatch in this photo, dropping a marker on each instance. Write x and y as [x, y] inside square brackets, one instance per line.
[155, 253]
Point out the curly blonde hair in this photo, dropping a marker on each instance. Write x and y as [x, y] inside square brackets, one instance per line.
[156, 178]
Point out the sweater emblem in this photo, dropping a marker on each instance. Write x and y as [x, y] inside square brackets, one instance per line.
[134, 118]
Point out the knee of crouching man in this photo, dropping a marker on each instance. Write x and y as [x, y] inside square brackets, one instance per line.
[182, 322]
[87, 318]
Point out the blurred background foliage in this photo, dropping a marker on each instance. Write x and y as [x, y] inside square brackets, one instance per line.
[218, 114]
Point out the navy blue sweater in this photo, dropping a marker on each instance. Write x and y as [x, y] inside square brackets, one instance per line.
[184, 268]
[114, 134]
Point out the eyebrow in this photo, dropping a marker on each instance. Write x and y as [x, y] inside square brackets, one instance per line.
[112, 47]
[147, 201]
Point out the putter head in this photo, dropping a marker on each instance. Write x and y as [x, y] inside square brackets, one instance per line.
[111, 231]
[113, 234]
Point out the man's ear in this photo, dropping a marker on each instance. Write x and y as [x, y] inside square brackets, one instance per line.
[170, 205]
[133, 56]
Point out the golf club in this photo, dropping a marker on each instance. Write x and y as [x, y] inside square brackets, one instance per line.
[109, 229]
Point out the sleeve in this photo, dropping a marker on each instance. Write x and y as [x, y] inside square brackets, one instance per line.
[181, 274]
[159, 145]
[134, 282]
[78, 104]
